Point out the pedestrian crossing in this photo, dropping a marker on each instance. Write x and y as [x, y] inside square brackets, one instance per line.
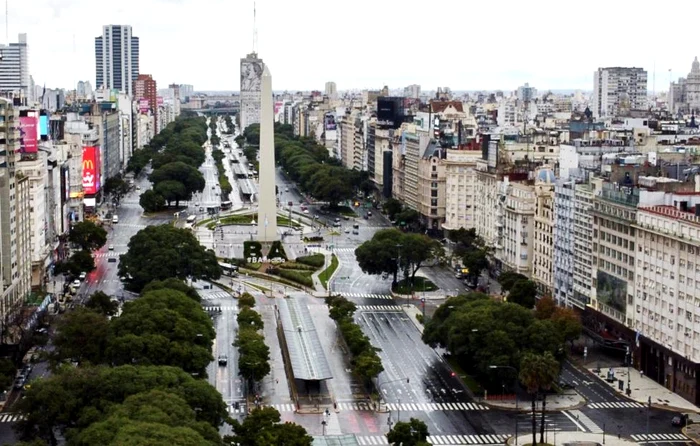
[616, 405]
[484, 439]
[102, 255]
[368, 296]
[222, 308]
[427, 407]
[215, 295]
[585, 421]
[241, 408]
[395, 308]
[659, 437]
[283, 407]
[10, 417]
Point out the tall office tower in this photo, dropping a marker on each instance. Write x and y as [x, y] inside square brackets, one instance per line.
[617, 90]
[15, 227]
[251, 78]
[116, 58]
[175, 88]
[331, 90]
[145, 88]
[14, 68]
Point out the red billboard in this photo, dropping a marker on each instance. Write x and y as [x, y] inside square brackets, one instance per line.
[143, 105]
[28, 134]
[90, 170]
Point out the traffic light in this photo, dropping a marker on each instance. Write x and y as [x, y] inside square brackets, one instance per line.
[452, 374]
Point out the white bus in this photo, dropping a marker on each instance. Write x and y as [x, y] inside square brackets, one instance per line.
[191, 219]
[228, 269]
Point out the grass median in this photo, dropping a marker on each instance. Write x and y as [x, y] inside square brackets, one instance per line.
[326, 274]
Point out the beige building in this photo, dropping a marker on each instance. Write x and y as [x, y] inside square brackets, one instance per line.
[351, 142]
[543, 236]
[460, 184]
[431, 187]
[15, 223]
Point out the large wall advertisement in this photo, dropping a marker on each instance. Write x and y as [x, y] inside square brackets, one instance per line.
[90, 170]
[43, 125]
[329, 122]
[251, 75]
[143, 106]
[28, 138]
[611, 291]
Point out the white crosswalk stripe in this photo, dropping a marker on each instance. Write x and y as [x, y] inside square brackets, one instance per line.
[587, 422]
[426, 407]
[484, 439]
[215, 295]
[353, 406]
[283, 407]
[379, 308]
[102, 255]
[222, 308]
[241, 408]
[10, 417]
[616, 405]
[368, 295]
[659, 437]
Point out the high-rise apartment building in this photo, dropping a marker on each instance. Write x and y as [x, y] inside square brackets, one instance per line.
[145, 88]
[14, 68]
[15, 226]
[617, 90]
[116, 58]
[251, 78]
[684, 94]
[460, 178]
[331, 90]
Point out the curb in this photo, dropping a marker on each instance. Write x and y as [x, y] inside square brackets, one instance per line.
[528, 408]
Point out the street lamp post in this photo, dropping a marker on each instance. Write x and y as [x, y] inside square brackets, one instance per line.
[493, 367]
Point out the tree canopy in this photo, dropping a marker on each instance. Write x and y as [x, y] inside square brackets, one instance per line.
[390, 251]
[74, 398]
[87, 235]
[262, 427]
[482, 332]
[411, 433]
[102, 303]
[162, 252]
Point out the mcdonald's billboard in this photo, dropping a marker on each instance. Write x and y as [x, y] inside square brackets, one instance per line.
[90, 170]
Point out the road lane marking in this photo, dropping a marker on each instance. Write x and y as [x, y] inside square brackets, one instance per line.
[574, 420]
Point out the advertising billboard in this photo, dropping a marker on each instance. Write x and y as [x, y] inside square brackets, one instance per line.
[65, 184]
[90, 170]
[390, 112]
[28, 134]
[611, 291]
[98, 168]
[159, 100]
[329, 122]
[143, 105]
[43, 125]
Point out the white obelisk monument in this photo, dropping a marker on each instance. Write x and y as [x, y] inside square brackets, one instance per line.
[267, 201]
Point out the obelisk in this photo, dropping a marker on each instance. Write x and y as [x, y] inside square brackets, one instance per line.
[267, 202]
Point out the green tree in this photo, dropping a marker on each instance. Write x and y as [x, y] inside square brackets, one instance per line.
[154, 417]
[254, 355]
[340, 308]
[173, 284]
[367, 365]
[567, 323]
[162, 327]
[7, 372]
[190, 177]
[508, 279]
[87, 235]
[524, 293]
[415, 250]
[240, 139]
[392, 207]
[248, 318]
[172, 190]
[262, 427]
[538, 373]
[102, 304]
[409, 219]
[163, 252]
[152, 201]
[380, 255]
[411, 433]
[77, 397]
[81, 261]
[246, 300]
[476, 261]
[116, 186]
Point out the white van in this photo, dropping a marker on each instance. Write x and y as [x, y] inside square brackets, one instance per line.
[115, 219]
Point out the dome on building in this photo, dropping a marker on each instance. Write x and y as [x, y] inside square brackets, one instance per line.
[545, 175]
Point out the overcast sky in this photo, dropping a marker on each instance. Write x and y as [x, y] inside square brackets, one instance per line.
[461, 44]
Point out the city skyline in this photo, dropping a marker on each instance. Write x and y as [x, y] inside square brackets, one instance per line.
[483, 53]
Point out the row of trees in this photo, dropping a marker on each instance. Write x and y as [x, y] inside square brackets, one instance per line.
[391, 252]
[365, 362]
[219, 158]
[230, 126]
[88, 237]
[175, 155]
[160, 252]
[254, 354]
[127, 379]
[470, 249]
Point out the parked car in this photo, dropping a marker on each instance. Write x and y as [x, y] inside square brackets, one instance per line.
[76, 283]
[82, 276]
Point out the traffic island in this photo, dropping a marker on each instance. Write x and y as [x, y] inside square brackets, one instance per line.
[572, 439]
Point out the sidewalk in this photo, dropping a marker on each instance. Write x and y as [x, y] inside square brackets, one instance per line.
[573, 437]
[643, 388]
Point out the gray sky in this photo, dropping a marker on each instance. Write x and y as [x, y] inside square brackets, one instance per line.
[461, 44]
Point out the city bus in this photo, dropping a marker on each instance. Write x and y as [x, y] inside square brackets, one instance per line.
[226, 205]
[228, 269]
[191, 219]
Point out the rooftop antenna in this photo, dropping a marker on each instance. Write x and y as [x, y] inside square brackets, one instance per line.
[255, 29]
